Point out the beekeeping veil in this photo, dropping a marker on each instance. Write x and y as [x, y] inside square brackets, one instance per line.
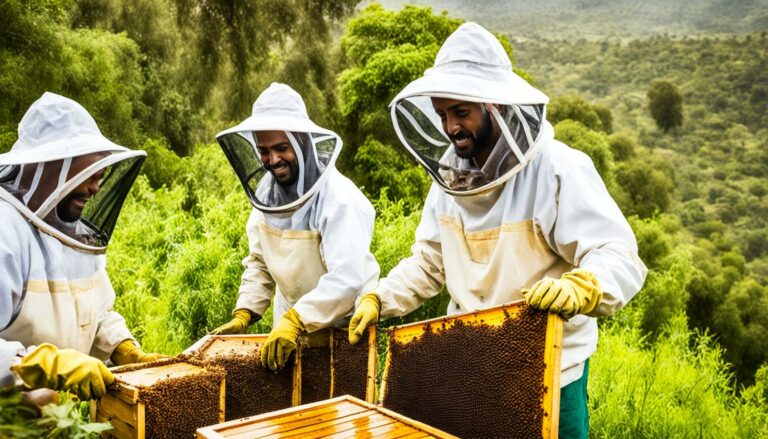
[471, 66]
[59, 149]
[280, 108]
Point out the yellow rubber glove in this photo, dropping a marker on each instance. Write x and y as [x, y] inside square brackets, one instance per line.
[576, 292]
[282, 340]
[367, 313]
[128, 353]
[64, 369]
[241, 318]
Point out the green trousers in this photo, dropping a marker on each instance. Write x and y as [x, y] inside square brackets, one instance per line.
[574, 413]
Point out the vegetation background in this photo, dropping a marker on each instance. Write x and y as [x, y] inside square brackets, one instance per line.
[670, 99]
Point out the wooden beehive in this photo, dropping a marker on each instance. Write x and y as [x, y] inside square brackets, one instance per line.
[135, 410]
[251, 389]
[445, 373]
[327, 366]
[342, 417]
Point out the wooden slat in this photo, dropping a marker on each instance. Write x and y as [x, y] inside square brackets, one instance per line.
[318, 429]
[415, 424]
[296, 396]
[227, 344]
[223, 427]
[551, 401]
[492, 316]
[141, 425]
[330, 346]
[361, 425]
[222, 399]
[370, 387]
[112, 406]
[120, 429]
[296, 420]
[391, 430]
[416, 435]
[149, 376]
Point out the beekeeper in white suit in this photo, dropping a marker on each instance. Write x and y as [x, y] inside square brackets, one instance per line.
[512, 212]
[310, 230]
[61, 189]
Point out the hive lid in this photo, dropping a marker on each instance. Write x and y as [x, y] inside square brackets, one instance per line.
[340, 417]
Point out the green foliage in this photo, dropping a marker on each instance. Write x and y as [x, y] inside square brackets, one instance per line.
[389, 171]
[649, 189]
[177, 271]
[678, 386]
[666, 105]
[593, 143]
[623, 146]
[576, 108]
[67, 419]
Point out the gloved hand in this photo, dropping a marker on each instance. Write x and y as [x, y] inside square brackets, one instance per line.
[241, 318]
[282, 340]
[367, 313]
[576, 292]
[64, 369]
[128, 353]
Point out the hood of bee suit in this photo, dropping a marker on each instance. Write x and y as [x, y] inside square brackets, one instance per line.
[471, 66]
[280, 108]
[64, 176]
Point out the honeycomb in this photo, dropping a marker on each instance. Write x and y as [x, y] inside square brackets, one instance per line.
[315, 373]
[473, 380]
[350, 365]
[252, 389]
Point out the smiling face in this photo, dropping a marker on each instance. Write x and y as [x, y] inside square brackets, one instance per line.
[71, 207]
[469, 127]
[277, 156]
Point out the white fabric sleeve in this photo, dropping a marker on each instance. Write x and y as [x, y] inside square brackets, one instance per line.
[346, 230]
[112, 331]
[14, 269]
[112, 327]
[421, 275]
[256, 284]
[591, 233]
[9, 352]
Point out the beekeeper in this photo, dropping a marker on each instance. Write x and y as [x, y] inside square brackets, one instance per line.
[310, 230]
[512, 213]
[61, 189]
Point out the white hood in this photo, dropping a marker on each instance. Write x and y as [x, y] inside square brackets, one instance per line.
[471, 66]
[280, 108]
[56, 136]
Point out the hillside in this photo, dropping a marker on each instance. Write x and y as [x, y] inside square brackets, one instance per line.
[594, 18]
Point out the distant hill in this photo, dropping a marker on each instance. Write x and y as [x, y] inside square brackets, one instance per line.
[597, 18]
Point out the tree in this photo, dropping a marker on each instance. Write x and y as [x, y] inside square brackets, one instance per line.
[577, 108]
[666, 105]
[593, 143]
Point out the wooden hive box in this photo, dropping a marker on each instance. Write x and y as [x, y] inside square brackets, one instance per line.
[328, 366]
[164, 399]
[491, 373]
[251, 389]
[342, 417]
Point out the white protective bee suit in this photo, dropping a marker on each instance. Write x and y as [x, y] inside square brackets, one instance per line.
[53, 284]
[536, 208]
[310, 241]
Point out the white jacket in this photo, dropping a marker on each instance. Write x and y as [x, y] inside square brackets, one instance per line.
[316, 259]
[52, 293]
[549, 218]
